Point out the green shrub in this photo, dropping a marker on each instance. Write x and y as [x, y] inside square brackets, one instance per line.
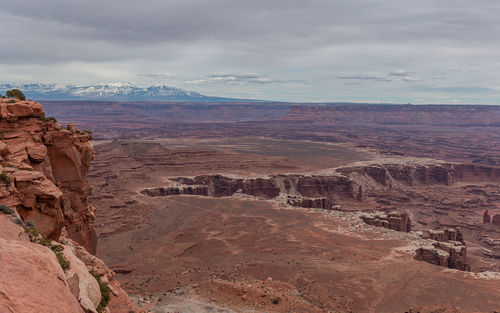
[65, 265]
[15, 93]
[18, 221]
[4, 178]
[48, 119]
[6, 209]
[104, 292]
[36, 237]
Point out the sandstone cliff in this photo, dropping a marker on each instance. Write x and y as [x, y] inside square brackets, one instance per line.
[46, 222]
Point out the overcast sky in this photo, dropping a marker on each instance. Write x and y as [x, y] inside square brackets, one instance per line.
[419, 51]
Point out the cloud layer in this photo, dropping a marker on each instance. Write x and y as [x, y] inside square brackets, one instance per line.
[317, 50]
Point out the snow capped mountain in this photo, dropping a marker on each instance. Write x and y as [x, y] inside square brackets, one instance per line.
[107, 91]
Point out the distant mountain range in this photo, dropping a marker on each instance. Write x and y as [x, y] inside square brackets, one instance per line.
[111, 91]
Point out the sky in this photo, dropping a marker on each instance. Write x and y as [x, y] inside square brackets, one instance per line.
[425, 51]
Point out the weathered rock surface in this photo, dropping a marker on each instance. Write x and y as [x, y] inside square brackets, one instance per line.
[451, 254]
[486, 217]
[47, 165]
[313, 186]
[44, 168]
[448, 249]
[31, 279]
[496, 220]
[399, 221]
[448, 234]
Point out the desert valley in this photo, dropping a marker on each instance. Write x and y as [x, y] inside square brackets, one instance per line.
[236, 156]
[296, 208]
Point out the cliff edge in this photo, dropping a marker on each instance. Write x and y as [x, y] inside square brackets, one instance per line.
[46, 223]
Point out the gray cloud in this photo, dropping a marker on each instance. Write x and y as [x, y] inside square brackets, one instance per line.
[327, 43]
[365, 77]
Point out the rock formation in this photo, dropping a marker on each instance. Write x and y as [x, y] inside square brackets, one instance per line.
[486, 217]
[43, 193]
[47, 165]
[496, 220]
[319, 203]
[399, 221]
[448, 234]
[451, 254]
[302, 186]
[448, 249]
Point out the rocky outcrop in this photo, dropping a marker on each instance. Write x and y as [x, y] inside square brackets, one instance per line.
[448, 249]
[47, 166]
[325, 187]
[399, 221]
[31, 279]
[445, 235]
[486, 217]
[43, 191]
[318, 203]
[451, 254]
[496, 220]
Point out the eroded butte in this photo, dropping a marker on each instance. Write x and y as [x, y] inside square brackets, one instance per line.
[258, 224]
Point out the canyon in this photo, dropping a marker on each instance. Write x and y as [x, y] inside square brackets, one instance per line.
[252, 207]
[46, 224]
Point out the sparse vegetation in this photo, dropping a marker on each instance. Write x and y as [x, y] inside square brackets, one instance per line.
[5, 179]
[2, 133]
[36, 237]
[15, 93]
[104, 292]
[6, 209]
[275, 301]
[48, 119]
[65, 265]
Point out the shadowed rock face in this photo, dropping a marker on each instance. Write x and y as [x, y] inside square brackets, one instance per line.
[43, 170]
[399, 221]
[47, 165]
[448, 249]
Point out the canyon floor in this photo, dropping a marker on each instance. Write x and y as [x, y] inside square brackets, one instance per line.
[221, 207]
[192, 253]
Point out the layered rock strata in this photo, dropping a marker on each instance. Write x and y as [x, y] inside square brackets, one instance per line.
[46, 165]
[43, 198]
[448, 249]
[451, 254]
[399, 221]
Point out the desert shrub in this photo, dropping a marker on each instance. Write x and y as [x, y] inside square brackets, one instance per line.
[30, 223]
[104, 292]
[2, 134]
[36, 237]
[48, 119]
[275, 300]
[15, 93]
[12, 101]
[18, 221]
[6, 209]
[32, 232]
[65, 265]
[4, 178]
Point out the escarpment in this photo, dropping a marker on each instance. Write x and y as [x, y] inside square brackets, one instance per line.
[325, 189]
[46, 222]
[46, 165]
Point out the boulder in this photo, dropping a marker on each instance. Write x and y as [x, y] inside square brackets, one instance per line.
[31, 280]
[82, 284]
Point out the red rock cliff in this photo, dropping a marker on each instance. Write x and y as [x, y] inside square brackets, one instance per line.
[47, 165]
[43, 168]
